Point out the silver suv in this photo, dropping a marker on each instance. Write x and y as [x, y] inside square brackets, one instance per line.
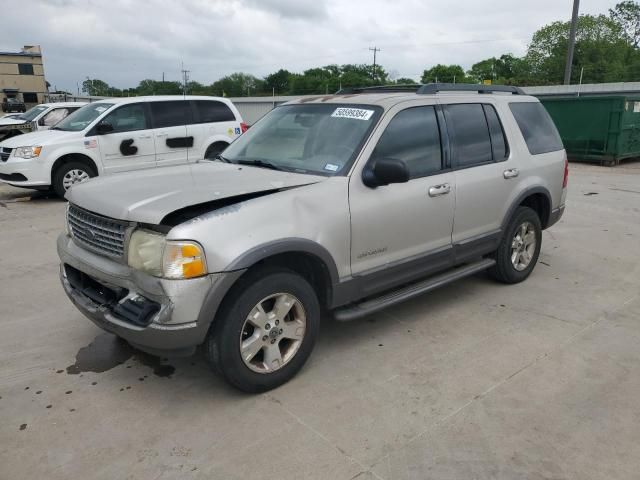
[346, 203]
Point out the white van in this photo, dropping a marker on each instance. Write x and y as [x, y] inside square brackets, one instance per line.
[119, 135]
[40, 117]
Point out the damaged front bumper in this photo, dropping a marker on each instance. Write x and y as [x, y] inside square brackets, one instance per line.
[157, 315]
[12, 129]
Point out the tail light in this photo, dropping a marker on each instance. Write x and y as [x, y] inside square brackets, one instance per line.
[565, 181]
[243, 127]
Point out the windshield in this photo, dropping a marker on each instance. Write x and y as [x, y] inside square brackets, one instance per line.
[33, 113]
[82, 117]
[309, 138]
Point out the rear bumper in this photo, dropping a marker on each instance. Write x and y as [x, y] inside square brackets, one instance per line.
[173, 326]
[555, 216]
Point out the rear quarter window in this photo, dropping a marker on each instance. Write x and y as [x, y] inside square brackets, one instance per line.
[211, 111]
[537, 128]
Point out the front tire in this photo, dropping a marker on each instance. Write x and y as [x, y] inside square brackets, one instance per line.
[519, 249]
[70, 174]
[265, 330]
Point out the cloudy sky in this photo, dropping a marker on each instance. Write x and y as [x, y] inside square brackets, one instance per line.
[125, 41]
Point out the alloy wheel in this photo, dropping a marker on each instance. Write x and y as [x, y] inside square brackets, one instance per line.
[523, 246]
[272, 333]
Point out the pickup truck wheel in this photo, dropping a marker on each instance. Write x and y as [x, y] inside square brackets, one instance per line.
[70, 174]
[265, 332]
[519, 249]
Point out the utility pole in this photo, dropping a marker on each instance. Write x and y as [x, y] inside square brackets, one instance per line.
[185, 79]
[572, 42]
[374, 50]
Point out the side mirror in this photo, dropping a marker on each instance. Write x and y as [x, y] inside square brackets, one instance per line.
[103, 128]
[41, 122]
[384, 172]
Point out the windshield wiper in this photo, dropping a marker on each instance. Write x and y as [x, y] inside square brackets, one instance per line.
[259, 163]
[221, 158]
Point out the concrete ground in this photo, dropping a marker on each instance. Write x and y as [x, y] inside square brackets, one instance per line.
[477, 380]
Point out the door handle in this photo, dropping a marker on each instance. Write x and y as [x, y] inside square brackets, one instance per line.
[438, 190]
[162, 134]
[144, 136]
[511, 173]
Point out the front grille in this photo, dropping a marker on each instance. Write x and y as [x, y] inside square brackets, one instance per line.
[4, 153]
[103, 235]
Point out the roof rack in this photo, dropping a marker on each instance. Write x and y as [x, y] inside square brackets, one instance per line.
[380, 89]
[432, 88]
[467, 87]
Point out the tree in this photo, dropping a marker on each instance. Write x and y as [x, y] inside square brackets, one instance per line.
[156, 87]
[236, 85]
[278, 81]
[507, 69]
[366, 72]
[196, 88]
[95, 87]
[405, 81]
[627, 15]
[601, 49]
[444, 73]
[331, 78]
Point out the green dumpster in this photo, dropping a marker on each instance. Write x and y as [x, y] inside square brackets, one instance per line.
[605, 129]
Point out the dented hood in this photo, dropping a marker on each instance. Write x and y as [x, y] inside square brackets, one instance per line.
[11, 121]
[147, 196]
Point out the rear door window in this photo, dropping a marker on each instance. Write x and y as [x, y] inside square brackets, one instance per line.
[171, 113]
[211, 111]
[413, 136]
[537, 128]
[469, 134]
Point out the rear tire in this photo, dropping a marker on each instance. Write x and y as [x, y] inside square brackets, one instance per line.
[253, 344]
[214, 149]
[69, 174]
[519, 249]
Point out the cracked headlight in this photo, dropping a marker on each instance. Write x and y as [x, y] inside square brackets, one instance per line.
[150, 252]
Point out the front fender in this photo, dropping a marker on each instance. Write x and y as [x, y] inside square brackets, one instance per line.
[56, 153]
[312, 219]
[286, 245]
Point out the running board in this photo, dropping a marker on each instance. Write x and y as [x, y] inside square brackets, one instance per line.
[354, 311]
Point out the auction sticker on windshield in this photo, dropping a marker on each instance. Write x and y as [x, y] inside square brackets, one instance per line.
[355, 113]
